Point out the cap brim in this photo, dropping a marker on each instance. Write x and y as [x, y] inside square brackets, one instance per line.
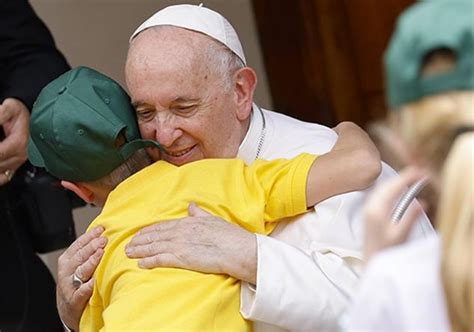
[129, 148]
[34, 155]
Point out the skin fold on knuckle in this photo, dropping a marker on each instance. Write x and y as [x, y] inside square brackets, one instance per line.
[138, 251]
[146, 263]
[150, 237]
[80, 242]
[81, 255]
[95, 259]
[97, 243]
[156, 261]
[91, 264]
[148, 250]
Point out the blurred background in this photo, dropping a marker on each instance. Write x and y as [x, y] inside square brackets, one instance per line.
[316, 60]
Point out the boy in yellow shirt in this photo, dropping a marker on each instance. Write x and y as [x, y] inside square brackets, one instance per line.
[83, 130]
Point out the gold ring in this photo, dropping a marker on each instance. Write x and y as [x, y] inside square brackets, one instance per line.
[9, 174]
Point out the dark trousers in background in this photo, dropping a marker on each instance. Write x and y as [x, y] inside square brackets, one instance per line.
[27, 296]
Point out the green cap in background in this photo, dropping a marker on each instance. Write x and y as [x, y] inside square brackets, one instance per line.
[424, 27]
[75, 123]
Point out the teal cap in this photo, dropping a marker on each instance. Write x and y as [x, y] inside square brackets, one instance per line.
[425, 27]
[75, 125]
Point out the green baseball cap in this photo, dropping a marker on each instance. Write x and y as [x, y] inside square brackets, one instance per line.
[75, 123]
[425, 27]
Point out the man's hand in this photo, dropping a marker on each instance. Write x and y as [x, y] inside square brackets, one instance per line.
[380, 231]
[200, 242]
[81, 259]
[14, 118]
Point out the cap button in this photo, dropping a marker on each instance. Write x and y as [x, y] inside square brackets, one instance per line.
[80, 131]
[61, 91]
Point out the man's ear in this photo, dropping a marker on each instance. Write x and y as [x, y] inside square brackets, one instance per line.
[245, 83]
[80, 190]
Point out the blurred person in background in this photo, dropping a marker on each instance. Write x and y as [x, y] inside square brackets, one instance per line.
[428, 284]
[28, 61]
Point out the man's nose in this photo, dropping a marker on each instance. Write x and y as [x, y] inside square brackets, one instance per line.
[166, 131]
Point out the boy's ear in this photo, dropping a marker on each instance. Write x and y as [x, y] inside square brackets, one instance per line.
[80, 190]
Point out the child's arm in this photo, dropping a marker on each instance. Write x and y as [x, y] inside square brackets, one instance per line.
[352, 164]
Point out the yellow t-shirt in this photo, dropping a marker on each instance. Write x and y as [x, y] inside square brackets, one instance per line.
[127, 298]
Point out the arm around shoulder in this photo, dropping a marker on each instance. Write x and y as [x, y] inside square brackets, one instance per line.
[362, 155]
[352, 164]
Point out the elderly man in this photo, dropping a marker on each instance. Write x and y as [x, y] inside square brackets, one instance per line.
[192, 91]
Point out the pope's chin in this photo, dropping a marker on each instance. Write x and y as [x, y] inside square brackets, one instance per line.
[180, 158]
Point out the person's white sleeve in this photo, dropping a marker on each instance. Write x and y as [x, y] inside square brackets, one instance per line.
[310, 267]
[374, 305]
[298, 291]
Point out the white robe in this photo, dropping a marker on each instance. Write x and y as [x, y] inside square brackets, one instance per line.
[309, 268]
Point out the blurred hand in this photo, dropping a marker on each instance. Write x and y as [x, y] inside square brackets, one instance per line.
[200, 242]
[380, 231]
[14, 118]
[81, 258]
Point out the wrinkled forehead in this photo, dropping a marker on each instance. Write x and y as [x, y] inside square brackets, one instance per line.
[154, 78]
[164, 53]
[165, 49]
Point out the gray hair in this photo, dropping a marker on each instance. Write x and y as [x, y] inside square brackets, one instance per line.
[132, 165]
[222, 61]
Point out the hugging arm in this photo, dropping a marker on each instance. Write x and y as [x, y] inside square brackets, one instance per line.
[209, 244]
[352, 164]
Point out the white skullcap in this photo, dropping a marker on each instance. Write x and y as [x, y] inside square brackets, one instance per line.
[200, 19]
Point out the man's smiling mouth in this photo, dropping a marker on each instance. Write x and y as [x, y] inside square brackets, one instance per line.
[178, 153]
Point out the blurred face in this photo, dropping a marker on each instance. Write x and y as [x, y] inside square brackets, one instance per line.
[179, 100]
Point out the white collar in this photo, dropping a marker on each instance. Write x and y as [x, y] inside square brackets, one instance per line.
[250, 148]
